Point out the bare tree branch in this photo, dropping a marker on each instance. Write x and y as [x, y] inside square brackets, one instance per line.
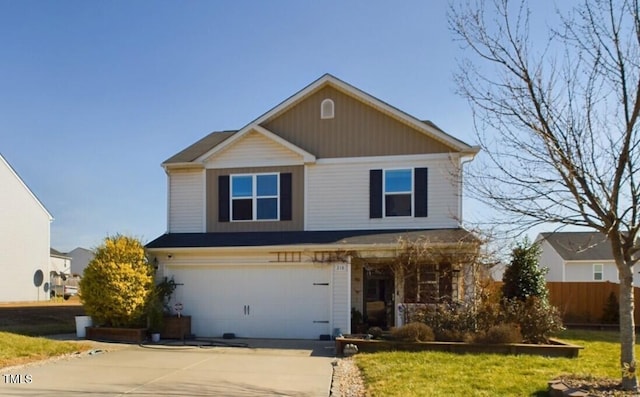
[559, 125]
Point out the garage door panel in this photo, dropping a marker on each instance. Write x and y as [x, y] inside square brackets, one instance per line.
[270, 301]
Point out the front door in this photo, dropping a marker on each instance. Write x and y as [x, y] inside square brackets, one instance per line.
[379, 302]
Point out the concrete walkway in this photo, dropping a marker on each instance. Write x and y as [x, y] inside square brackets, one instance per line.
[263, 368]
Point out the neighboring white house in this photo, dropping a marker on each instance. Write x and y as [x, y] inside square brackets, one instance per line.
[80, 258]
[24, 240]
[578, 256]
[59, 262]
[281, 228]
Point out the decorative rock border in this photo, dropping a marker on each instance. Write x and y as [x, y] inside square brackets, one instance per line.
[556, 349]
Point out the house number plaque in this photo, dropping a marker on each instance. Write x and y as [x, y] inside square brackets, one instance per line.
[341, 267]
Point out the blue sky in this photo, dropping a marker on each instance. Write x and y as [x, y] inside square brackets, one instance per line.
[94, 95]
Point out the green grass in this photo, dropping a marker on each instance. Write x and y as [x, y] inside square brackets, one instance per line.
[19, 349]
[447, 374]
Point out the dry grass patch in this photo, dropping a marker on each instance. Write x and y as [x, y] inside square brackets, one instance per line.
[19, 349]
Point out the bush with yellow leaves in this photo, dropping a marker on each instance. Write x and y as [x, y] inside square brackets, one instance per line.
[117, 285]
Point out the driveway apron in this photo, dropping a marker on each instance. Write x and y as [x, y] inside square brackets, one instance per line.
[294, 368]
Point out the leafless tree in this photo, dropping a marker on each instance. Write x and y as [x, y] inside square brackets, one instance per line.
[558, 124]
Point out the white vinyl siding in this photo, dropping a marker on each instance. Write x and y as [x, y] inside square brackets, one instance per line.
[24, 240]
[584, 271]
[255, 150]
[338, 195]
[186, 202]
[550, 259]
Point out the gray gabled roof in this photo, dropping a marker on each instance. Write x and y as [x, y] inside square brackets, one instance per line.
[55, 252]
[329, 237]
[580, 246]
[200, 147]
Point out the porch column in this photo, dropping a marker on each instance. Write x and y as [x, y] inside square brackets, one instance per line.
[341, 296]
[469, 280]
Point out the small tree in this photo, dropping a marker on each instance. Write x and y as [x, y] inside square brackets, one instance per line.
[523, 277]
[117, 285]
[525, 297]
[611, 312]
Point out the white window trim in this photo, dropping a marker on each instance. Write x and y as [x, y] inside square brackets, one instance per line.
[601, 272]
[254, 197]
[384, 192]
[327, 109]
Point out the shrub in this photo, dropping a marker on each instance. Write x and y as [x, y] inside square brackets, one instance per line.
[417, 332]
[537, 319]
[611, 311]
[502, 333]
[117, 285]
[450, 322]
[523, 277]
[375, 332]
[450, 335]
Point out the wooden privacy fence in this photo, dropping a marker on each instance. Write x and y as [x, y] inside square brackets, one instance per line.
[584, 302]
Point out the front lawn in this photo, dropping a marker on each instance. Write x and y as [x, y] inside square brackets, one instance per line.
[447, 374]
[18, 349]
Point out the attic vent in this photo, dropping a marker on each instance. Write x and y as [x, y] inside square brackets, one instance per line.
[327, 109]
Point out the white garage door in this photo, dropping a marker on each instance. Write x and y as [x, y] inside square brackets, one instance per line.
[270, 301]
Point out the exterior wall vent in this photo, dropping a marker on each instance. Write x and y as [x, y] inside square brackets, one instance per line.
[327, 109]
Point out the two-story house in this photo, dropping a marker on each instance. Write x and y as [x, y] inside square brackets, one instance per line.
[24, 240]
[282, 228]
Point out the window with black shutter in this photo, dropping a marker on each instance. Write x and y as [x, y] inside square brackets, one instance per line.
[254, 197]
[398, 192]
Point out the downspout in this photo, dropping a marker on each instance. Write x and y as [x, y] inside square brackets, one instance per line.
[465, 157]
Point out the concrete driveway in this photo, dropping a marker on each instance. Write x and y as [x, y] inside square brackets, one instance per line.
[264, 368]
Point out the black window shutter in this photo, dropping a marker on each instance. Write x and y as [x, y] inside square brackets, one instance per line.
[421, 181]
[285, 197]
[375, 194]
[223, 198]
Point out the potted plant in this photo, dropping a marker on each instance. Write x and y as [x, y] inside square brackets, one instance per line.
[358, 322]
[155, 320]
[158, 306]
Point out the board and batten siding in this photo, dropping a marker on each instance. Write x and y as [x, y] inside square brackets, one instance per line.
[338, 195]
[186, 201]
[24, 240]
[357, 129]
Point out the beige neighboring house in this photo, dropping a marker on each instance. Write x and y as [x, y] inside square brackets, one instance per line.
[578, 256]
[284, 227]
[24, 240]
[80, 258]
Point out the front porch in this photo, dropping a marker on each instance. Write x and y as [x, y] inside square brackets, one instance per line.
[381, 290]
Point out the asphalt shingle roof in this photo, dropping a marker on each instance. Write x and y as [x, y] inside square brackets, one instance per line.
[333, 237]
[578, 246]
[200, 147]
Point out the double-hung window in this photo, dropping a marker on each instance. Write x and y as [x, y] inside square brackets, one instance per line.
[598, 272]
[254, 197]
[398, 192]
